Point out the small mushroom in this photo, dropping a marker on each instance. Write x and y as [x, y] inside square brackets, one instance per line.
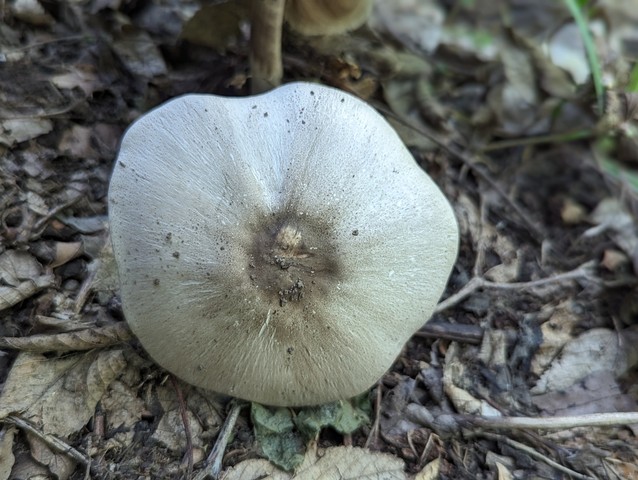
[279, 248]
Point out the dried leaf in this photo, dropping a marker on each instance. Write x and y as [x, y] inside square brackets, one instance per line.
[16, 266]
[59, 394]
[23, 129]
[6, 452]
[336, 463]
[557, 331]
[416, 24]
[341, 463]
[59, 464]
[430, 472]
[171, 434]
[20, 276]
[139, 53]
[599, 392]
[82, 77]
[256, 470]
[567, 51]
[86, 339]
[30, 11]
[597, 350]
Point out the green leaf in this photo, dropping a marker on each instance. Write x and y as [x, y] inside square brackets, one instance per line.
[576, 9]
[271, 420]
[280, 443]
[344, 416]
[633, 80]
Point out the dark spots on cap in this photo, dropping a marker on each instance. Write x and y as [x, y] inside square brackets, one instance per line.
[355, 232]
[156, 282]
[175, 254]
[265, 114]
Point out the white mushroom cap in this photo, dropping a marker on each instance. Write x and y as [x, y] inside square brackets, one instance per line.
[279, 248]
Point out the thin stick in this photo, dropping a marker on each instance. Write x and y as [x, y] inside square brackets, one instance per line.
[475, 283]
[537, 455]
[554, 423]
[52, 442]
[183, 411]
[214, 460]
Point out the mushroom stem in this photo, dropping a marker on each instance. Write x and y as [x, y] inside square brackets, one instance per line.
[267, 18]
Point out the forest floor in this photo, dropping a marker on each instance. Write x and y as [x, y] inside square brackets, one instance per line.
[496, 102]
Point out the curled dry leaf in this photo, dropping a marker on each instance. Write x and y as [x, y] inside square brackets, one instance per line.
[86, 339]
[20, 277]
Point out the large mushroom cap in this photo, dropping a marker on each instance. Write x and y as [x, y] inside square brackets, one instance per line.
[279, 248]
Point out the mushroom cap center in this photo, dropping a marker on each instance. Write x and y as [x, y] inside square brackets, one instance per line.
[293, 259]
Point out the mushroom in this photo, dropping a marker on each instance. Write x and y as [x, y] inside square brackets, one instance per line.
[308, 17]
[280, 248]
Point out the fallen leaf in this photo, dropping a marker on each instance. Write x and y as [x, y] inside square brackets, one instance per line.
[139, 53]
[556, 331]
[6, 452]
[599, 392]
[58, 463]
[567, 51]
[597, 350]
[414, 23]
[59, 394]
[30, 11]
[171, 434]
[20, 277]
[431, 471]
[336, 463]
[23, 129]
[83, 77]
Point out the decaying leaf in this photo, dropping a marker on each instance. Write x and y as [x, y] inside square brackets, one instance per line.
[59, 394]
[23, 129]
[556, 331]
[58, 463]
[20, 277]
[31, 11]
[599, 392]
[6, 452]
[416, 24]
[170, 431]
[336, 463]
[430, 472]
[596, 350]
